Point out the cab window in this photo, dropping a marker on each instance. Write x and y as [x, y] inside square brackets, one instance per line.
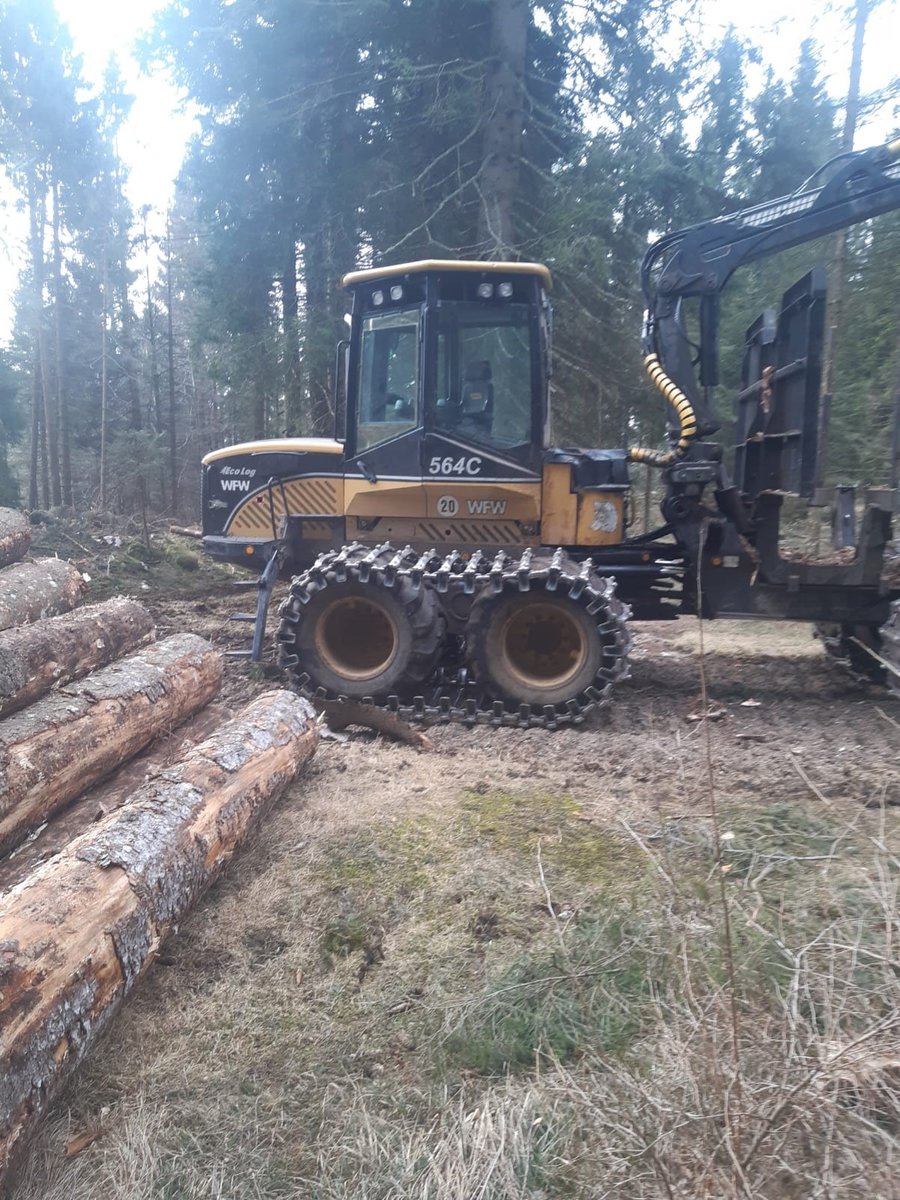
[484, 385]
[388, 393]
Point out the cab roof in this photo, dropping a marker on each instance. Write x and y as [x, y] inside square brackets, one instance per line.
[371, 274]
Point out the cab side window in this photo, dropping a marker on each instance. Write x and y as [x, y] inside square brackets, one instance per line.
[388, 393]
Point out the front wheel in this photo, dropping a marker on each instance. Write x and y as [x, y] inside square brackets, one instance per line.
[360, 639]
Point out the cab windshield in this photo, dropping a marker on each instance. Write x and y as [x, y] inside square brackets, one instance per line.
[484, 372]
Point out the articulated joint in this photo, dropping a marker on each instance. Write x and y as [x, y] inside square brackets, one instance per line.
[684, 410]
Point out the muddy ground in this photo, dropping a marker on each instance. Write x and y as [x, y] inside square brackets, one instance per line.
[389, 883]
[778, 704]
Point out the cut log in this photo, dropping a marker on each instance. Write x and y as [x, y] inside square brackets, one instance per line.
[79, 932]
[35, 658]
[106, 797]
[68, 741]
[34, 590]
[15, 536]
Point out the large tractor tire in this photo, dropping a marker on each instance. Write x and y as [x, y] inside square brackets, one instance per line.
[548, 642]
[360, 638]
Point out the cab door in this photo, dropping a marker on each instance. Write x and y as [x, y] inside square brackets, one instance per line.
[383, 474]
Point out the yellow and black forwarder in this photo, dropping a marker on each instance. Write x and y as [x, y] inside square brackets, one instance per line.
[449, 563]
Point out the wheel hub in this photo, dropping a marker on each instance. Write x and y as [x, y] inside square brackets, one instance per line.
[544, 647]
[356, 638]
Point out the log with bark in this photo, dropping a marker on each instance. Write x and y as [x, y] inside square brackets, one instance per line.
[106, 797]
[35, 658]
[68, 741]
[80, 931]
[31, 591]
[15, 536]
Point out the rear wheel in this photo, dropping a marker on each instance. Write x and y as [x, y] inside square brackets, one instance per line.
[534, 649]
[550, 638]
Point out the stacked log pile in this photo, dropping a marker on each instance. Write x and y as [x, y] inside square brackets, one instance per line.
[123, 793]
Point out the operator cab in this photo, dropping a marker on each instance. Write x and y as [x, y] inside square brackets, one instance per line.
[445, 356]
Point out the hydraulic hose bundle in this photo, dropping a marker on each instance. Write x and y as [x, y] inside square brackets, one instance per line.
[684, 410]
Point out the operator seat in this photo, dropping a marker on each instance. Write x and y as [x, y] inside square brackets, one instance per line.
[477, 401]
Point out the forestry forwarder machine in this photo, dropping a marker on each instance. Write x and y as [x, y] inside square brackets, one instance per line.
[449, 565]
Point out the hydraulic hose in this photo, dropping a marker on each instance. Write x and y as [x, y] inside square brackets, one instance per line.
[684, 410]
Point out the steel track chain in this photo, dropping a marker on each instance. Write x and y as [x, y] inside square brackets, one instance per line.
[449, 696]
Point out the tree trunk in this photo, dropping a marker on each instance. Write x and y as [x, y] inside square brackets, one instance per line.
[65, 743]
[170, 346]
[33, 497]
[15, 536]
[51, 418]
[37, 206]
[504, 118]
[36, 658]
[79, 933]
[34, 590]
[839, 252]
[62, 411]
[317, 268]
[110, 795]
[132, 369]
[157, 421]
[104, 381]
[39, 382]
[293, 369]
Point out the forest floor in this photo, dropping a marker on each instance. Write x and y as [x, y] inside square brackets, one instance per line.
[517, 966]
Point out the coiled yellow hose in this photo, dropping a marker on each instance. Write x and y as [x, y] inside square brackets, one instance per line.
[683, 410]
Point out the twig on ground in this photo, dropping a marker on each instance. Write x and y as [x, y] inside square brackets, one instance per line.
[887, 717]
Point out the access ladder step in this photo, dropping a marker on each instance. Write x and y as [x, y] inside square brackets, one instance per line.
[246, 583]
[238, 653]
[242, 617]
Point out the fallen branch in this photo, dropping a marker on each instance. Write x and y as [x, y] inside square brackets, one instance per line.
[339, 714]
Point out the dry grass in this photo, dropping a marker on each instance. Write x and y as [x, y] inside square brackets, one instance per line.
[550, 1020]
[458, 977]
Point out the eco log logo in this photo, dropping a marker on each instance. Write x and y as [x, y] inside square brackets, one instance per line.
[236, 479]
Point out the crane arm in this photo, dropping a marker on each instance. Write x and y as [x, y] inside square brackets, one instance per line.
[699, 261]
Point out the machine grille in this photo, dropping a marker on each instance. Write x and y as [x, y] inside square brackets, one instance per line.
[254, 517]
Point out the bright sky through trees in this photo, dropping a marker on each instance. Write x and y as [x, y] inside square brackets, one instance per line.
[155, 135]
[153, 139]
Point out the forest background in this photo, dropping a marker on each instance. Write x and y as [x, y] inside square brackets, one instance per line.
[373, 131]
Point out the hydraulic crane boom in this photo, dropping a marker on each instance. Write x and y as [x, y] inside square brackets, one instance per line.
[697, 262]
